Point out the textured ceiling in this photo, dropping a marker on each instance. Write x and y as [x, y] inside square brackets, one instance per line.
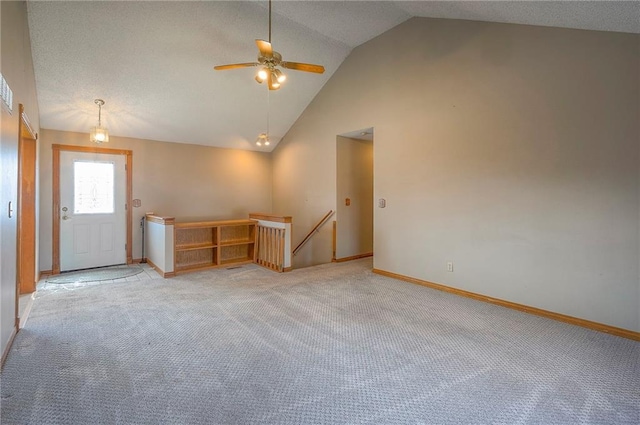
[152, 62]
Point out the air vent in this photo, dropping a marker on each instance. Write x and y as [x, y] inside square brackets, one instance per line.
[7, 94]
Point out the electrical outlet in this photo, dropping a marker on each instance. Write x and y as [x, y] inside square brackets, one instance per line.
[449, 266]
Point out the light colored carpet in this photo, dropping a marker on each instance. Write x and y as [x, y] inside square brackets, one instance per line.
[95, 275]
[331, 344]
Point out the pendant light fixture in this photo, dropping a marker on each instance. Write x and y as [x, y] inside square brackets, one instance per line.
[99, 134]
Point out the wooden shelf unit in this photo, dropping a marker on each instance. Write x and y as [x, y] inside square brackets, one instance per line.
[210, 244]
[237, 243]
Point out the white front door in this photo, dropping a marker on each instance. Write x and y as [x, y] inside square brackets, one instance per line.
[93, 210]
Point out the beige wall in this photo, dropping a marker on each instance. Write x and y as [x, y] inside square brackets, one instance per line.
[181, 180]
[510, 150]
[354, 166]
[16, 66]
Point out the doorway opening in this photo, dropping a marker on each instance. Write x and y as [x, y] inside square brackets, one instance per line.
[353, 228]
[92, 193]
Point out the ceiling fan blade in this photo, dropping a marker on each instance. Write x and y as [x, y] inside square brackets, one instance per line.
[235, 65]
[306, 67]
[265, 48]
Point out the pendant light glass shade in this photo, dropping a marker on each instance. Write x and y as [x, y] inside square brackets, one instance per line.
[262, 75]
[280, 77]
[99, 134]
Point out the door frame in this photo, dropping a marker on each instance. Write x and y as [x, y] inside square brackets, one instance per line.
[25, 133]
[339, 227]
[56, 195]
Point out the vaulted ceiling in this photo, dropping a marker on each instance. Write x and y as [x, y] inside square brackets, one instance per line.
[152, 62]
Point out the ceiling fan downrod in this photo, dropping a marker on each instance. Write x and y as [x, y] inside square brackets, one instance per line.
[269, 21]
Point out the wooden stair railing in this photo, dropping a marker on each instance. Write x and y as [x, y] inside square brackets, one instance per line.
[269, 250]
[313, 231]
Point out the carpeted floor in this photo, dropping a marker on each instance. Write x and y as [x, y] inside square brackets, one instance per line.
[324, 345]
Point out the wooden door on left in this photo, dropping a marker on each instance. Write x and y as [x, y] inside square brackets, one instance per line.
[27, 151]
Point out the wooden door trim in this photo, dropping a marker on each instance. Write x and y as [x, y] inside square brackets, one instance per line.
[56, 195]
[26, 130]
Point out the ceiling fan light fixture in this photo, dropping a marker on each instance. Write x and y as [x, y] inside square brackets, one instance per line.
[263, 138]
[269, 59]
[99, 134]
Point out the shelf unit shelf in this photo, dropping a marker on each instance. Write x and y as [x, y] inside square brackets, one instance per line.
[236, 261]
[192, 247]
[194, 267]
[238, 242]
[210, 244]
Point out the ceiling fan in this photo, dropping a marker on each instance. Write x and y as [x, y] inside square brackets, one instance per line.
[270, 60]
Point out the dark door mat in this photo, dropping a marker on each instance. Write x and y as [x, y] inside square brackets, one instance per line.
[95, 275]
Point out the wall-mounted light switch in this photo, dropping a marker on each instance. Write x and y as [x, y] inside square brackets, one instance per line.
[347, 201]
[382, 203]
